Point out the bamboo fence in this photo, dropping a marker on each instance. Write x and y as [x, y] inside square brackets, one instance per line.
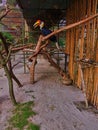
[82, 47]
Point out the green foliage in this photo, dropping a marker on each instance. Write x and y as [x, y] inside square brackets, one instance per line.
[33, 127]
[8, 36]
[20, 117]
[62, 41]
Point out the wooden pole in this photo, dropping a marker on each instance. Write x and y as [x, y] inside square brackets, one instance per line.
[34, 61]
[83, 86]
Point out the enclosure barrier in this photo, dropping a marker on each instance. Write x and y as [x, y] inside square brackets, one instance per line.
[82, 46]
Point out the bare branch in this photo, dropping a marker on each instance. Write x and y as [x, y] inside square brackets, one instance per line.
[28, 50]
[28, 67]
[60, 30]
[8, 56]
[5, 14]
[16, 64]
[14, 49]
[70, 26]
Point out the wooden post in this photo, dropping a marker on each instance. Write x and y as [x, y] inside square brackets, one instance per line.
[32, 70]
[83, 86]
[34, 61]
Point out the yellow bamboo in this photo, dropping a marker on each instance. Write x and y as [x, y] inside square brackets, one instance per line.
[67, 48]
[77, 79]
[95, 91]
[79, 71]
[81, 40]
[71, 58]
[77, 75]
[68, 33]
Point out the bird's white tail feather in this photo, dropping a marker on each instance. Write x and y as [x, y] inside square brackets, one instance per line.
[57, 45]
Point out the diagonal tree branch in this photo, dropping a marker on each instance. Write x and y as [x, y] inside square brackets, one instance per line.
[5, 14]
[61, 30]
[9, 54]
[4, 44]
[70, 26]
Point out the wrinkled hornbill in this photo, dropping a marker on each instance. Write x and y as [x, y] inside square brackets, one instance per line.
[45, 31]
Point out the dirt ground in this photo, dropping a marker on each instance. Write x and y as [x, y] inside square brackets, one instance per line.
[58, 107]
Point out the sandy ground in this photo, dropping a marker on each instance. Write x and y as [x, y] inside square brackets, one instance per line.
[55, 103]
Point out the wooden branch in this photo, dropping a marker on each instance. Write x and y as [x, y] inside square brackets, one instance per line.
[38, 50]
[4, 44]
[70, 26]
[28, 50]
[5, 14]
[66, 79]
[9, 54]
[28, 67]
[2, 60]
[16, 64]
[32, 70]
[60, 30]
[14, 49]
[54, 64]
[21, 47]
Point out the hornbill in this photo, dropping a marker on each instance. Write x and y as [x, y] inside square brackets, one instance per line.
[45, 31]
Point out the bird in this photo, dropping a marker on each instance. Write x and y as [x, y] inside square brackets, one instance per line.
[45, 31]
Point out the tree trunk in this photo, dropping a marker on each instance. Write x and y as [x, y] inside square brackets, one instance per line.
[13, 75]
[4, 43]
[34, 60]
[9, 77]
[11, 91]
[32, 70]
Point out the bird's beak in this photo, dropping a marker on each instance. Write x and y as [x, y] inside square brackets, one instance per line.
[36, 24]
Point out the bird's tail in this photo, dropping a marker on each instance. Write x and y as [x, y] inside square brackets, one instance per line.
[57, 46]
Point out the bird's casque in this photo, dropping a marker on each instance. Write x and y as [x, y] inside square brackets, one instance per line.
[39, 23]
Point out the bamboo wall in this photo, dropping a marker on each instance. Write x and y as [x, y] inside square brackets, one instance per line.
[82, 47]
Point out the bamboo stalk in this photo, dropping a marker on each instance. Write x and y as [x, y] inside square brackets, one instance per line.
[83, 86]
[71, 58]
[6, 12]
[95, 83]
[95, 91]
[88, 45]
[81, 38]
[76, 56]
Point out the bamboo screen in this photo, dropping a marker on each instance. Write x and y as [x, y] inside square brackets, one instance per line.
[82, 47]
